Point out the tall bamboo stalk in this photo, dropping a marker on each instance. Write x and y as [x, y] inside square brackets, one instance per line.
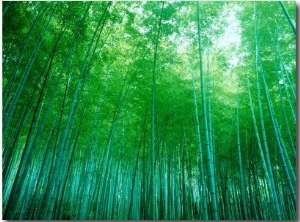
[211, 177]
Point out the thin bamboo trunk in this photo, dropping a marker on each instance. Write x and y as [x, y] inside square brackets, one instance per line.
[153, 110]
[242, 182]
[201, 164]
[211, 177]
[291, 22]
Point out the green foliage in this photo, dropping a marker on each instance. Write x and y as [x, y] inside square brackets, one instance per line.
[91, 63]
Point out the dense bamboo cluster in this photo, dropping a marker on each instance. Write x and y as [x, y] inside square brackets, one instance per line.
[134, 110]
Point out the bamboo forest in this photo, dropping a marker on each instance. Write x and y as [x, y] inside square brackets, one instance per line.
[149, 110]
